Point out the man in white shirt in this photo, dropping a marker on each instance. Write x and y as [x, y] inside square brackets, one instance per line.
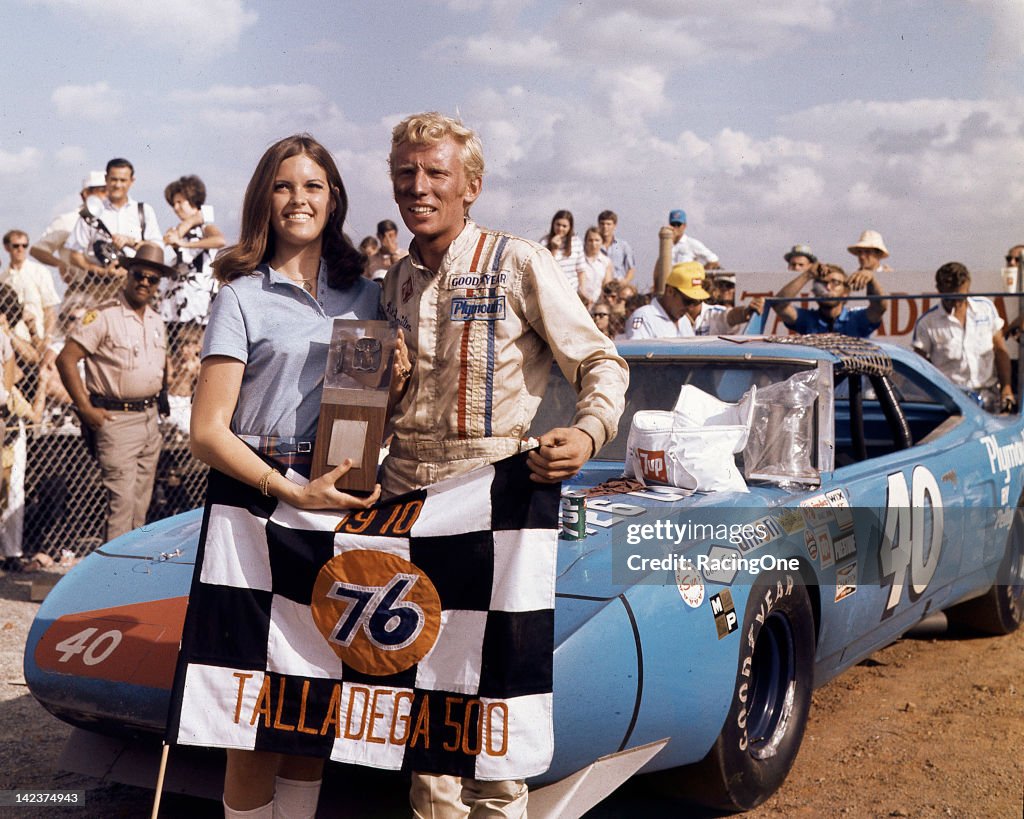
[962, 337]
[671, 314]
[34, 285]
[49, 248]
[120, 227]
[686, 248]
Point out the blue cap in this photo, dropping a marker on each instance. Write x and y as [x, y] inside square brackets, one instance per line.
[677, 217]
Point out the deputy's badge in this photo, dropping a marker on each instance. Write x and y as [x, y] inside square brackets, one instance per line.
[89, 317]
[406, 290]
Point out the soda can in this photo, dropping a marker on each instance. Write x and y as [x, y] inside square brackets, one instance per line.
[573, 515]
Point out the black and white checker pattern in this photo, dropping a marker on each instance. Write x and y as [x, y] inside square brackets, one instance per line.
[487, 541]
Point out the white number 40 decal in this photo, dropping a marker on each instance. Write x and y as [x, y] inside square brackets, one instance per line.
[93, 651]
[904, 549]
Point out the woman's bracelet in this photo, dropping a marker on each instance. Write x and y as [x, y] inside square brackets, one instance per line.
[265, 481]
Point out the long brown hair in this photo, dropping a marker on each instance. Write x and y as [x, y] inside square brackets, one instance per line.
[256, 241]
[550, 238]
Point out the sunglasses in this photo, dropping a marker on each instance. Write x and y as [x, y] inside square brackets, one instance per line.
[1008, 258]
[602, 315]
[148, 278]
[19, 244]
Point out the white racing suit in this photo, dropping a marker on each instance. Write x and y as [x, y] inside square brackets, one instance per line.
[481, 333]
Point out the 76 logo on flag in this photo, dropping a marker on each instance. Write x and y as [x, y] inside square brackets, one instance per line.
[387, 621]
[378, 612]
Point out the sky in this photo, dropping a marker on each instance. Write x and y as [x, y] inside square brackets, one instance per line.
[771, 124]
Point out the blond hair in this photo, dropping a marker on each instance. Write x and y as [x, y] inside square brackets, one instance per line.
[430, 128]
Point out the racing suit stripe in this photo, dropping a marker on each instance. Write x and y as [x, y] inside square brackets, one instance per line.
[464, 376]
[489, 377]
[463, 390]
[476, 253]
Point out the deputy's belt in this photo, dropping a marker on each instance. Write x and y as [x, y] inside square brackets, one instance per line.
[116, 404]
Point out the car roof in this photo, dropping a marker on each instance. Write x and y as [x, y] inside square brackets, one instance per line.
[810, 349]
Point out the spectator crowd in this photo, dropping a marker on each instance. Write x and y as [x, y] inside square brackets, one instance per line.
[97, 374]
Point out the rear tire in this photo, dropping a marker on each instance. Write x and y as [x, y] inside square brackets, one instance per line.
[771, 699]
[1001, 609]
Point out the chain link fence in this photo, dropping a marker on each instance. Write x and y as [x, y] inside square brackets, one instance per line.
[53, 502]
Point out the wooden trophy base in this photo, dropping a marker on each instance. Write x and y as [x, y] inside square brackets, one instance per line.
[350, 431]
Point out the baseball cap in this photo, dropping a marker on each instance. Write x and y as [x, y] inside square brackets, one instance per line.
[688, 279]
[95, 179]
[726, 278]
[677, 217]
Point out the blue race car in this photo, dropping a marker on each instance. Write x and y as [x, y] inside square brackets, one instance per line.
[690, 627]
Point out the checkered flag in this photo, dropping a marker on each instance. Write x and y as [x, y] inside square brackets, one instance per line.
[417, 635]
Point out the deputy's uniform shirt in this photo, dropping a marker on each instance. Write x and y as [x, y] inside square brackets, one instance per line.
[481, 334]
[126, 353]
[965, 354]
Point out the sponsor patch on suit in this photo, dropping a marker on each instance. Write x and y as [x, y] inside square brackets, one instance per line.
[477, 308]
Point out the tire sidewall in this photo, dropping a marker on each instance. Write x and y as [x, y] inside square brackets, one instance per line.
[751, 776]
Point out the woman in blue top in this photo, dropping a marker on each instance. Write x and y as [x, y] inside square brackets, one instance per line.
[264, 355]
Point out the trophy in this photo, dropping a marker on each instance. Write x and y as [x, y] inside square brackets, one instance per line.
[355, 401]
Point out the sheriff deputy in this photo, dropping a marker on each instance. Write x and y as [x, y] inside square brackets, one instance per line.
[124, 345]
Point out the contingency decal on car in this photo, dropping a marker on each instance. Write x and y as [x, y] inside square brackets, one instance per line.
[818, 541]
[905, 559]
[846, 580]
[841, 511]
[722, 607]
[825, 507]
[690, 585]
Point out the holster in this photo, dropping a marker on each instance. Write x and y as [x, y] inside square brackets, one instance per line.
[88, 436]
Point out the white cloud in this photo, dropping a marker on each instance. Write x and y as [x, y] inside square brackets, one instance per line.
[237, 96]
[196, 28]
[26, 159]
[269, 112]
[72, 155]
[98, 102]
[526, 53]
[633, 93]
[1008, 29]
[671, 34]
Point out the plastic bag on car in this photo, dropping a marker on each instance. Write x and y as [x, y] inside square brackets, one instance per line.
[692, 446]
[782, 440]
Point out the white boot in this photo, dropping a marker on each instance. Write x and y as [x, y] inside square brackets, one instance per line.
[263, 812]
[295, 798]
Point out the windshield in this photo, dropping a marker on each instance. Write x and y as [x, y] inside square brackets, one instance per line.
[654, 385]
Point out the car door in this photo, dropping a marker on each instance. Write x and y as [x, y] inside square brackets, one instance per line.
[906, 521]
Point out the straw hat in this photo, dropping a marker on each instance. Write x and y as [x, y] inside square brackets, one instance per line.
[870, 240]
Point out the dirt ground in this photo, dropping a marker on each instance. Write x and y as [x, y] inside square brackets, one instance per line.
[932, 726]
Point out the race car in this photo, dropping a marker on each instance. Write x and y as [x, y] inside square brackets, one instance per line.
[691, 626]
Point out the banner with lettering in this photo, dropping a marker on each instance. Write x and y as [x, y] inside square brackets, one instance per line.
[417, 635]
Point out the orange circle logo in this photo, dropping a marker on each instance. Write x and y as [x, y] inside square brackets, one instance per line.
[377, 611]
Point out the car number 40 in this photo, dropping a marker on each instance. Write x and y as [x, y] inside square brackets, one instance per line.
[912, 537]
[93, 651]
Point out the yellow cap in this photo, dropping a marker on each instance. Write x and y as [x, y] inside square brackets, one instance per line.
[688, 279]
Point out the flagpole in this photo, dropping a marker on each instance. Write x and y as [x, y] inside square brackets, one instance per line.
[160, 781]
